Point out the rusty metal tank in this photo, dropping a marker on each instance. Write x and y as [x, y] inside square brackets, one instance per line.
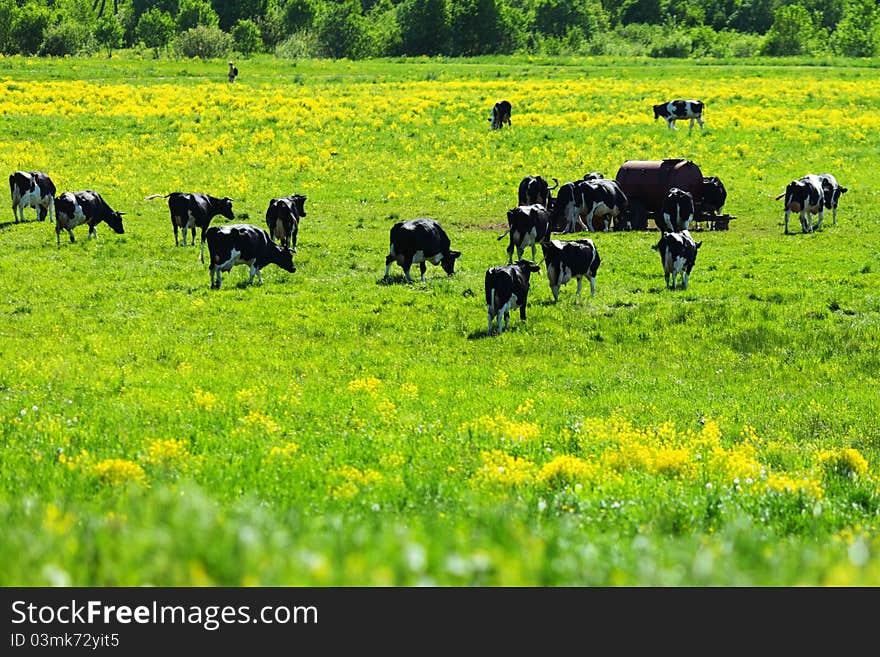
[647, 182]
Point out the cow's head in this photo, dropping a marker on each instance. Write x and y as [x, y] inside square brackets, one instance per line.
[226, 208]
[659, 110]
[285, 260]
[714, 194]
[114, 220]
[299, 204]
[448, 262]
[832, 193]
[527, 267]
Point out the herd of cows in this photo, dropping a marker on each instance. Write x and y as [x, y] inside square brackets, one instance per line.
[538, 214]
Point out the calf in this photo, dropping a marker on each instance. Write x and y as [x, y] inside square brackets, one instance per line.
[86, 207]
[677, 210]
[677, 110]
[189, 211]
[678, 252]
[243, 244]
[832, 191]
[32, 189]
[500, 114]
[527, 225]
[283, 216]
[571, 259]
[534, 189]
[422, 241]
[806, 197]
[507, 288]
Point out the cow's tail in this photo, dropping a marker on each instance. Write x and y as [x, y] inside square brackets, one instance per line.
[780, 196]
[153, 196]
[501, 236]
[555, 180]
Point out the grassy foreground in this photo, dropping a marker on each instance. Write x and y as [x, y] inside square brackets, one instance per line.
[327, 428]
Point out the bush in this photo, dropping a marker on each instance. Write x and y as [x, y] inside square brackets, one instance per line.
[301, 45]
[246, 36]
[204, 42]
[155, 29]
[66, 38]
[193, 13]
[28, 25]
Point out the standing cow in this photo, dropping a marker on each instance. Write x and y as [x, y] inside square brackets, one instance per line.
[283, 216]
[420, 241]
[677, 210]
[32, 189]
[579, 202]
[806, 197]
[678, 253]
[500, 114]
[85, 207]
[243, 244]
[507, 288]
[680, 110]
[832, 191]
[535, 189]
[565, 260]
[196, 210]
[528, 225]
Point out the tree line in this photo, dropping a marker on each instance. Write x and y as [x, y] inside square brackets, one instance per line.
[379, 28]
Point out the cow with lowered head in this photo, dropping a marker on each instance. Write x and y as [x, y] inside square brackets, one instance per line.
[195, 210]
[806, 197]
[527, 225]
[420, 241]
[32, 189]
[678, 253]
[242, 244]
[282, 218]
[85, 207]
[500, 114]
[679, 110]
[535, 189]
[676, 210]
[507, 288]
[565, 260]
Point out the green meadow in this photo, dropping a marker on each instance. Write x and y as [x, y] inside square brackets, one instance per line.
[328, 428]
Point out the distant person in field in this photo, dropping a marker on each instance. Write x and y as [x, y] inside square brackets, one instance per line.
[233, 72]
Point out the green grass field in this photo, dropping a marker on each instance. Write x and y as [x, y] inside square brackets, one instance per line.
[326, 428]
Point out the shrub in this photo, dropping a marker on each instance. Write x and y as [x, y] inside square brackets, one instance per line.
[65, 38]
[207, 42]
[28, 25]
[246, 36]
[301, 45]
[155, 29]
[196, 12]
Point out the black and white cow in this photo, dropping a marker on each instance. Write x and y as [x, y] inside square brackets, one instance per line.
[507, 288]
[283, 216]
[565, 260]
[85, 207]
[714, 195]
[677, 210]
[189, 211]
[500, 114]
[832, 191]
[535, 189]
[579, 202]
[680, 110]
[527, 225]
[420, 241]
[32, 189]
[243, 244]
[678, 253]
[806, 197]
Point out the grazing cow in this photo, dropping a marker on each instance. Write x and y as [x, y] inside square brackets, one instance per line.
[527, 225]
[86, 207]
[189, 211]
[804, 196]
[243, 244]
[32, 189]
[507, 288]
[714, 195]
[283, 217]
[500, 114]
[422, 241]
[534, 189]
[578, 203]
[678, 252]
[565, 260]
[832, 192]
[678, 110]
[677, 210]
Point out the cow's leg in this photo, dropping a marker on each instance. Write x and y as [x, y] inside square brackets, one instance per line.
[670, 123]
[506, 318]
[70, 232]
[691, 126]
[388, 260]
[204, 239]
[821, 217]
[577, 296]
[176, 239]
[407, 264]
[589, 223]
[684, 280]
[93, 232]
[592, 286]
[533, 252]
[510, 248]
[522, 310]
[700, 121]
[787, 213]
[806, 225]
[58, 233]
[423, 266]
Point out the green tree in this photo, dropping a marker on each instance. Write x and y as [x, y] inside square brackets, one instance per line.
[232, 12]
[196, 12]
[858, 34]
[791, 32]
[28, 25]
[424, 26]
[340, 30]
[155, 29]
[298, 15]
[109, 33]
[205, 41]
[246, 36]
[8, 10]
[476, 27]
